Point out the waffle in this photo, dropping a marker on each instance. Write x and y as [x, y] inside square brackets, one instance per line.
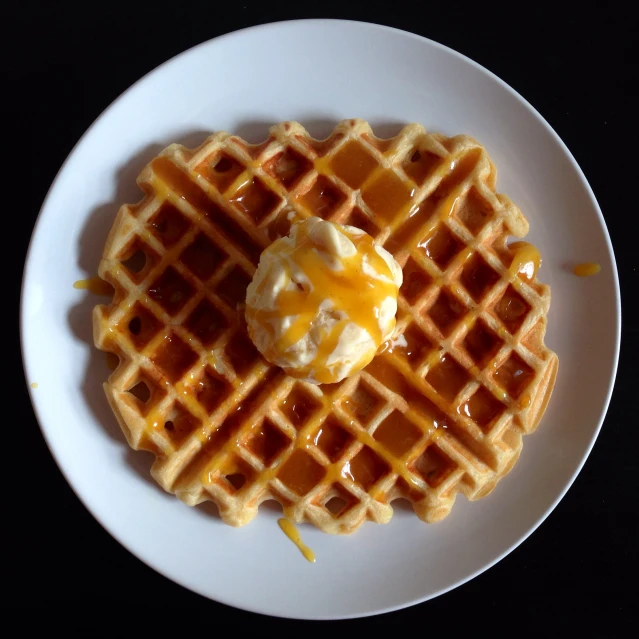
[440, 410]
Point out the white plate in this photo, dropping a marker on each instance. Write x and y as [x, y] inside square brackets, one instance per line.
[317, 72]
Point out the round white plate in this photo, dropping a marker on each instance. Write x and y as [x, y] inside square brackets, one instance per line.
[316, 72]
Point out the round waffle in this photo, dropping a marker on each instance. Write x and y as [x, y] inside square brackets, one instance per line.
[441, 410]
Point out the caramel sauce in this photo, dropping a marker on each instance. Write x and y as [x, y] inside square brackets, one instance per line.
[415, 398]
[353, 293]
[482, 407]
[415, 281]
[206, 323]
[372, 463]
[211, 390]
[222, 171]
[387, 195]
[168, 224]
[353, 164]
[588, 269]
[474, 212]
[366, 468]
[391, 345]
[232, 289]
[202, 257]
[281, 225]
[267, 442]
[417, 345]
[174, 357]
[181, 425]
[301, 473]
[421, 164]
[298, 407]
[446, 312]
[447, 377]
[362, 403]
[526, 260]
[525, 400]
[322, 198]
[154, 420]
[171, 179]
[514, 375]
[441, 247]
[226, 435]
[255, 199]
[512, 309]
[241, 352]
[212, 443]
[397, 434]
[417, 218]
[332, 439]
[174, 180]
[171, 291]
[141, 326]
[95, 285]
[481, 343]
[434, 466]
[477, 277]
[289, 529]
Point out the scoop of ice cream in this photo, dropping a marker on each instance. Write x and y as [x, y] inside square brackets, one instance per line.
[323, 300]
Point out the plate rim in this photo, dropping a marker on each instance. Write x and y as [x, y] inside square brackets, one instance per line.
[243, 33]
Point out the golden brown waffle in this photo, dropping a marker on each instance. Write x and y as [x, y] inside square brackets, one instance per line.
[441, 412]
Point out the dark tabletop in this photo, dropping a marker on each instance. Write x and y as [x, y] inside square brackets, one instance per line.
[63, 66]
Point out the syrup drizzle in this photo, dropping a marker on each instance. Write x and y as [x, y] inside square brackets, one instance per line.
[289, 529]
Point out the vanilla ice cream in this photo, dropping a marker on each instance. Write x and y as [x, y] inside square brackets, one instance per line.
[323, 300]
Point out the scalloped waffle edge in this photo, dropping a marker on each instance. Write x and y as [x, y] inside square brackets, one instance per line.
[441, 410]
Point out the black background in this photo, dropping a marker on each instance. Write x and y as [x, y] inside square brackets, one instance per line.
[63, 66]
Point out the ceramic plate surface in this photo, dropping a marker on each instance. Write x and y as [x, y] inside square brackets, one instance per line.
[316, 72]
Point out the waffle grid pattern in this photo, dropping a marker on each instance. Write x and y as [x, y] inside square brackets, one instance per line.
[441, 411]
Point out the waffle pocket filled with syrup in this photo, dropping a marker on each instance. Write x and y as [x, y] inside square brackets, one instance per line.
[440, 410]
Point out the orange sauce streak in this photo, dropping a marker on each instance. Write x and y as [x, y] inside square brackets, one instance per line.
[526, 260]
[154, 420]
[289, 529]
[525, 400]
[351, 290]
[588, 269]
[95, 285]
[387, 195]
